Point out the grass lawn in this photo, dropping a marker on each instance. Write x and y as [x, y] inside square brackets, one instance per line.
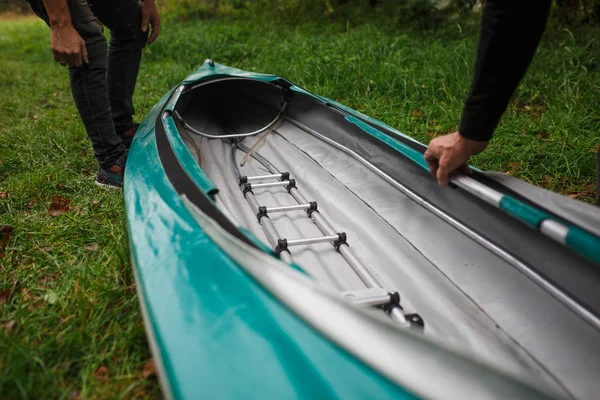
[70, 321]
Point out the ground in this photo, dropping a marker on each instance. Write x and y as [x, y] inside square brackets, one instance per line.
[70, 325]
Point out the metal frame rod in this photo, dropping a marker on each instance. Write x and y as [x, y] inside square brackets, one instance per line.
[288, 208]
[367, 297]
[237, 135]
[266, 163]
[268, 184]
[318, 239]
[262, 177]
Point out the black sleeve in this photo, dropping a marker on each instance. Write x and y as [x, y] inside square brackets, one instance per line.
[509, 34]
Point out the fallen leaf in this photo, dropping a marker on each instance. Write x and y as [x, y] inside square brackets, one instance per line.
[95, 201]
[32, 301]
[4, 296]
[512, 167]
[47, 279]
[416, 113]
[149, 369]
[101, 373]
[8, 325]
[6, 232]
[84, 152]
[73, 395]
[92, 246]
[3, 195]
[59, 206]
[30, 205]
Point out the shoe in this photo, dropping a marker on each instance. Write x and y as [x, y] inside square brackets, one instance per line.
[127, 136]
[112, 178]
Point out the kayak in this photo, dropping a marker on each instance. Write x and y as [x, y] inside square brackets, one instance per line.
[286, 246]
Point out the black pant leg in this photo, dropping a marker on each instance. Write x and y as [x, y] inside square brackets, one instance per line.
[127, 40]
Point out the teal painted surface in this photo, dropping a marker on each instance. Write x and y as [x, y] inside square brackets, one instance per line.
[217, 332]
[186, 159]
[170, 106]
[409, 152]
[584, 242]
[206, 71]
[524, 212]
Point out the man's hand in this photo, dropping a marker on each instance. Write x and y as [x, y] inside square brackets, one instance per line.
[68, 48]
[450, 152]
[150, 17]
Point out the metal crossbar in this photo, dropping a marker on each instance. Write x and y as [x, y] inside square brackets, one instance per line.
[288, 208]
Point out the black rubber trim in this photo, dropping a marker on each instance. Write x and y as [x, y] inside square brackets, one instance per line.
[184, 185]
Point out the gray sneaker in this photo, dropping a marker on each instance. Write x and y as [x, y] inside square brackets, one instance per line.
[112, 178]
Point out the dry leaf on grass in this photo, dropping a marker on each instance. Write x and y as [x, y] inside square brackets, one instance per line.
[4, 296]
[6, 231]
[73, 395]
[8, 325]
[59, 206]
[92, 246]
[416, 113]
[149, 369]
[101, 373]
[3, 195]
[32, 301]
[30, 205]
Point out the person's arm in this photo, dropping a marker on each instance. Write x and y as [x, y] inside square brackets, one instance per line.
[150, 17]
[509, 34]
[67, 46]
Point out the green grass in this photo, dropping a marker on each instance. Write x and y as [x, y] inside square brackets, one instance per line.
[72, 295]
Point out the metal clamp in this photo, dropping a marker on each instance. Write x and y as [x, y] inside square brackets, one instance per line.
[340, 240]
[282, 245]
[247, 188]
[291, 185]
[262, 212]
[311, 209]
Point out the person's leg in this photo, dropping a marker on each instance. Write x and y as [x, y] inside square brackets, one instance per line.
[127, 40]
[88, 83]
